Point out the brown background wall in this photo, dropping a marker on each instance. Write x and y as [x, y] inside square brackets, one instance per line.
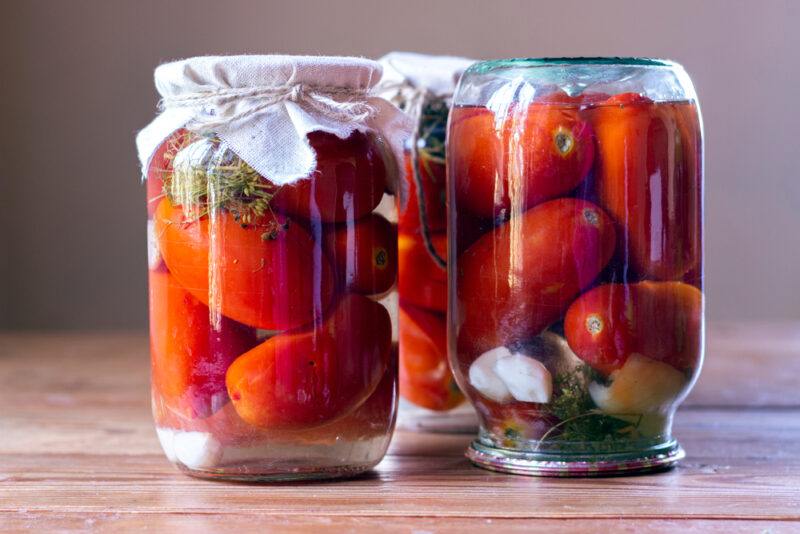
[76, 84]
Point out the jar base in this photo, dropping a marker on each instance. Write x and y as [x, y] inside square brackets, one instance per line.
[551, 464]
[283, 475]
[204, 455]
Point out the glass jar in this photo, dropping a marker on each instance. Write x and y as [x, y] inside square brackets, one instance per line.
[430, 399]
[576, 324]
[271, 354]
[272, 324]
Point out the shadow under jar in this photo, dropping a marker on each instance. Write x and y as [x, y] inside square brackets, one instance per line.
[576, 307]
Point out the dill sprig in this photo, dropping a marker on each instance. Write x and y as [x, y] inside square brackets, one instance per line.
[432, 132]
[579, 419]
[206, 176]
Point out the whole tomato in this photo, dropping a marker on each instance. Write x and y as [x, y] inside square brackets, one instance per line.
[425, 376]
[189, 357]
[348, 183]
[364, 254]
[515, 281]
[505, 165]
[264, 274]
[432, 176]
[421, 281]
[647, 177]
[374, 418]
[659, 320]
[161, 164]
[515, 421]
[312, 376]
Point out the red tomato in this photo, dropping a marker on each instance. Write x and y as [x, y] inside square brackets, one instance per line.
[348, 183]
[161, 164]
[189, 357]
[648, 178]
[263, 275]
[375, 417]
[514, 421]
[534, 154]
[312, 376]
[660, 320]
[364, 254]
[421, 281]
[515, 281]
[425, 376]
[433, 178]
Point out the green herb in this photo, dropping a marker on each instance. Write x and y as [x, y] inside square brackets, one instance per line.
[579, 419]
[208, 177]
[432, 131]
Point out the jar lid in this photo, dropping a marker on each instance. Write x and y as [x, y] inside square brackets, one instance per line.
[264, 106]
[436, 74]
[213, 73]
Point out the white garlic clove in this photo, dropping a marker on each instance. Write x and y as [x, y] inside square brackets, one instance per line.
[483, 378]
[641, 386]
[526, 378]
[166, 436]
[197, 450]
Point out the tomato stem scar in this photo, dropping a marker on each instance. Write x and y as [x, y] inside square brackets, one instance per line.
[381, 258]
[591, 216]
[564, 141]
[594, 324]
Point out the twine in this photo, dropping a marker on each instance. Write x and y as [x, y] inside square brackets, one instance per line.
[342, 104]
[413, 99]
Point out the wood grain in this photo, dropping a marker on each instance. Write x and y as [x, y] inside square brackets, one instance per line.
[78, 452]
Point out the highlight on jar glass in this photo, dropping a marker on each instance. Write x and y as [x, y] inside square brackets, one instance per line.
[273, 348]
[430, 400]
[576, 295]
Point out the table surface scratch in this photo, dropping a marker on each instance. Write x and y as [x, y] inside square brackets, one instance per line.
[78, 453]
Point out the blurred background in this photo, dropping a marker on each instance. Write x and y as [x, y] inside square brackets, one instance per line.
[76, 85]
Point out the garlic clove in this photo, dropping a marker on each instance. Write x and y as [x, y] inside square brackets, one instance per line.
[197, 450]
[526, 378]
[166, 436]
[483, 377]
[641, 386]
[552, 350]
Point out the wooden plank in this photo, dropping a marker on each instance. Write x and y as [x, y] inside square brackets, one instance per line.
[141, 485]
[253, 522]
[739, 465]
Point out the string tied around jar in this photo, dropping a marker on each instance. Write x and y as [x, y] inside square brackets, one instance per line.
[223, 106]
[412, 99]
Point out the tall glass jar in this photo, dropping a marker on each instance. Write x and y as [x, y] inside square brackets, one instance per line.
[273, 348]
[576, 324]
[430, 400]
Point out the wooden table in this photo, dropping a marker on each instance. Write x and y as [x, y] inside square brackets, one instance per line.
[78, 452]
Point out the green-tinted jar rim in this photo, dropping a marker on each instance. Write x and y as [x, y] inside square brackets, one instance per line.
[483, 67]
